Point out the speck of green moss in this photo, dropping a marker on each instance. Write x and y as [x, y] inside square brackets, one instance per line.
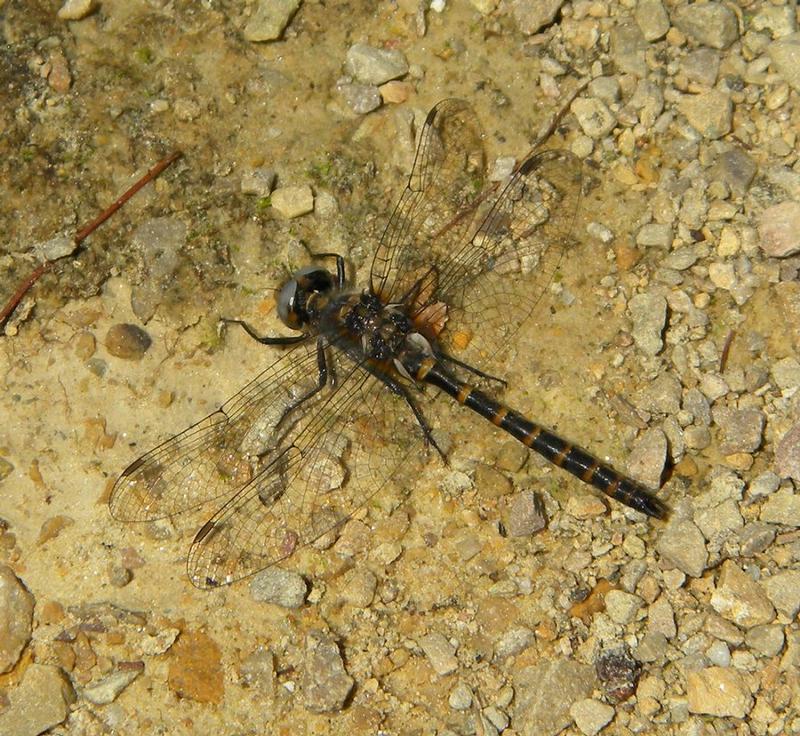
[144, 55]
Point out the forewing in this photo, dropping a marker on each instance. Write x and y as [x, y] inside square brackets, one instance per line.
[492, 281]
[217, 456]
[446, 181]
[329, 465]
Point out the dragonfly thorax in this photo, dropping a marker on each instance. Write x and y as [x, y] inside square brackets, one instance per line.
[297, 297]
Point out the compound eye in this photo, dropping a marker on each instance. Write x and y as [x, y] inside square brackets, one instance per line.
[286, 305]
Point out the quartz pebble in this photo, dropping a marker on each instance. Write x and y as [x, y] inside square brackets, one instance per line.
[41, 701]
[593, 116]
[591, 715]
[326, 683]
[290, 202]
[783, 590]
[440, 653]
[269, 19]
[281, 587]
[741, 599]
[710, 113]
[373, 66]
[779, 227]
[683, 545]
[16, 617]
[76, 9]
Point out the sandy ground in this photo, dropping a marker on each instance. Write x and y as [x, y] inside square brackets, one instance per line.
[89, 105]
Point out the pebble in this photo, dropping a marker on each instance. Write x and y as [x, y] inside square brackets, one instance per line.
[258, 670]
[511, 457]
[661, 396]
[722, 275]
[652, 19]
[736, 169]
[701, 66]
[741, 429]
[786, 373]
[544, 692]
[623, 607]
[710, 24]
[107, 690]
[360, 98]
[55, 248]
[374, 66]
[649, 317]
[394, 92]
[127, 341]
[513, 642]
[710, 113]
[76, 9]
[599, 231]
[718, 691]
[290, 202]
[783, 590]
[628, 47]
[779, 227]
[502, 168]
[785, 57]
[491, 483]
[606, 89]
[440, 653]
[652, 647]
[741, 599]
[359, 585]
[767, 640]
[16, 618]
[326, 683]
[655, 235]
[755, 537]
[683, 545]
[593, 116]
[787, 454]
[525, 515]
[532, 15]
[41, 701]
[719, 523]
[195, 668]
[719, 654]
[619, 672]
[460, 697]
[269, 19]
[648, 457]
[782, 507]
[280, 587]
[591, 715]
[585, 506]
[258, 181]
[661, 617]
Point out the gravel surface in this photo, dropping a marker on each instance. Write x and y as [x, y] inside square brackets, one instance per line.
[494, 594]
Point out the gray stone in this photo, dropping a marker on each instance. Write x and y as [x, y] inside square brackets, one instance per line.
[370, 65]
[710, 24]
[360, 98]
[38, 703]
[710, 113]
[741, 429]
[628, 47]
[545, 692]
[591, 715]
[779, 228]
[735, 168]
[649, 318]
[780, 20]
[661, 396]
[16, 618]
[764, 484]
[719, 523]
[740, 599]
[593, 116]
[661, 617]
[55, 248]
[290, 202]
[326, 683]
[652, 647]
[606, 89]
[358, 587]
[460, 697]
[782, 507]
[440, 653]
[655, 235]
[648, 457]
[269, 19]
[258, 670]
[280, 587]
[513, 642]
[525, 515]
[258, 181]
[697, 405]
[786, 373]
[783, 590]
[785, 57]
[787, 454]
[683, 545]
[767, 640]
[701, 66]
[755, 537]
[533, 15]
[718, 691]
[107, 689]
[652, 19]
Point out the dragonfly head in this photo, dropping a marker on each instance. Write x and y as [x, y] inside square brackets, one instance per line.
[298, 294]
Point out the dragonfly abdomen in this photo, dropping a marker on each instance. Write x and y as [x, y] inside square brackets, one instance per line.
[558, 451]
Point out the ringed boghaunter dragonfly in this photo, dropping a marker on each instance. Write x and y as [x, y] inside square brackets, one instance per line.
[309, 440]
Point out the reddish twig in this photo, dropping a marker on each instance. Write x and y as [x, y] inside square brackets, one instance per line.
[85, 232]
[726, 350]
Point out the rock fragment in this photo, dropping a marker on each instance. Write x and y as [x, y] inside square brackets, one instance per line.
[779, 228]
[326, 683]
[718, 691]
[269, 19]
[741, 599]
[291, 202]
[785, 56]
[710, 24]
[76, 9]
[195, 668]
[649, 317]
[281, 587]
[440, 653]
[374, 66]
[710, 113]
[127, 341]
[108, 689]
[16, 618]
[38, 703]
[591, 715]
[683, 545]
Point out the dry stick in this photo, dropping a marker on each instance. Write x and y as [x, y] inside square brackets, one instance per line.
[85, 232]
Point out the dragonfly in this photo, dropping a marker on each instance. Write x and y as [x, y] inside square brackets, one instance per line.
[460, 266]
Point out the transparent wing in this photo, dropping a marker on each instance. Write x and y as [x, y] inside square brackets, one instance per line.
[446, 181]
[334, 459]
[220, 454]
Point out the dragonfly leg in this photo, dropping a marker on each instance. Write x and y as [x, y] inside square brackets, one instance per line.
[471, 369]
[322, 380]
[340, 272]
[265, 340]
[402, 391]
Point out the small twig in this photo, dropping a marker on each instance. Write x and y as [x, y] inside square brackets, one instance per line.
[85, 232]
[726, 349]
